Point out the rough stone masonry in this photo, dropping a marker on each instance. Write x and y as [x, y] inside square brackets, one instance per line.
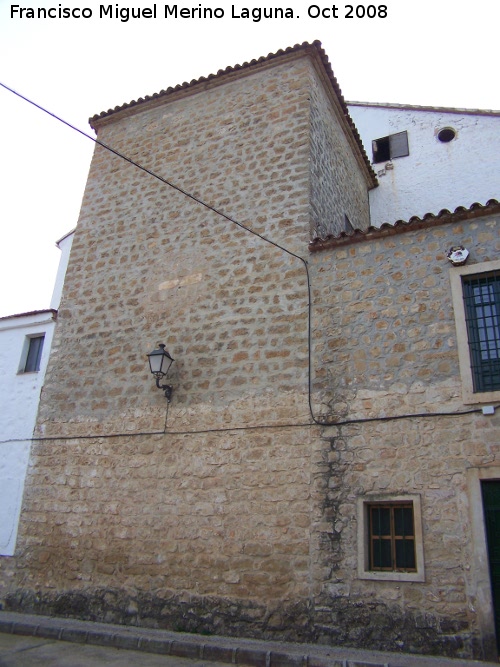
[230, 511]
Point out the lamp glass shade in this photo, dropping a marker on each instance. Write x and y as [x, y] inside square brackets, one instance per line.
[159, 361]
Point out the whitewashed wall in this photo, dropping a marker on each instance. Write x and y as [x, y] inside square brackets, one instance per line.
[19, 398]
[435, 175]
[64, 244]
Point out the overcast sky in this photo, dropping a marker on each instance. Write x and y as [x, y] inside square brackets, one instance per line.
[424, 52]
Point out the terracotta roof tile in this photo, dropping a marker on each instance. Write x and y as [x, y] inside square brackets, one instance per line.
[314, 47]
[172, 89]
[492, 206]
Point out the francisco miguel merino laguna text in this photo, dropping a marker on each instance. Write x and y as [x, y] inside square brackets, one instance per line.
[124, 14]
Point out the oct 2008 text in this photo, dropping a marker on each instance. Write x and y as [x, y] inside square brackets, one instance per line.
[256, 14]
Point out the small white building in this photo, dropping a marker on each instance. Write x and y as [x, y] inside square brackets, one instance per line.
[25, 342]
[64, 244]
[428, 158]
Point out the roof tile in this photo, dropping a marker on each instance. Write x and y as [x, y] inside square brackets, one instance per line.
[476, 209]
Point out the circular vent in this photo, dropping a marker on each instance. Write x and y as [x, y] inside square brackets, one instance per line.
[446, 134]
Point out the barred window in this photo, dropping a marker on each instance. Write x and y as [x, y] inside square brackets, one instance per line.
[392, 537]
[481, 295]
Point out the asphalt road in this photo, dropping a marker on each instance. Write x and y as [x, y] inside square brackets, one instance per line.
[20, 651]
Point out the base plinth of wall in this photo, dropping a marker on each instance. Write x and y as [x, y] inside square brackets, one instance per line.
[340, 623]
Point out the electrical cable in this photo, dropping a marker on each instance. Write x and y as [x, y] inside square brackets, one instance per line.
[346, 422]
[202, 203]
[134, 434]
[263, 238]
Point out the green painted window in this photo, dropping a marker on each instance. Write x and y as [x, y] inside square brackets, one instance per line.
[482, 313]
[491, 501]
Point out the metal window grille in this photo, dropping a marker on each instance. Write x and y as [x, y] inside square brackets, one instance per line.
[482, 313]
[392, 537]
[34, 354]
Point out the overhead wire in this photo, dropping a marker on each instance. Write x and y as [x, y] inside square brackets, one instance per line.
[230, 219]
[198, 201]
[256, 427]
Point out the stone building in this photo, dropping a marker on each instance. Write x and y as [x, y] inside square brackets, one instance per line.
[317, 474]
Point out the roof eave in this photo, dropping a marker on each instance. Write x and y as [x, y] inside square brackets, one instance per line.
[476, 210]
[313, 50]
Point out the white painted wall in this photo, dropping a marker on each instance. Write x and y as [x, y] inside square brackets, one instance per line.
[19, 398]
[64, 244]
[435, 175]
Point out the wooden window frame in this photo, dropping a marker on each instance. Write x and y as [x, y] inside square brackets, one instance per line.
[365, 570]
[392, 537]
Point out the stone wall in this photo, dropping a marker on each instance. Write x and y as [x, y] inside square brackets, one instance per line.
[219, 516]
[339, 196]
[209, 499]
[383, 318]
[150, 265]
[386, 346]
[230, 510]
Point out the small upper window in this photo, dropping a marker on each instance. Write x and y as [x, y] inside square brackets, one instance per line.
[387, 148]
[482, 315]
[34, 356]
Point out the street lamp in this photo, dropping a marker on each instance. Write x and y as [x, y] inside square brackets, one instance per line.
[159, 363]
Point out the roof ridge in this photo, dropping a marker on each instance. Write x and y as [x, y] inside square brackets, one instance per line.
[304, 46]
[426, 107]
[202, 79]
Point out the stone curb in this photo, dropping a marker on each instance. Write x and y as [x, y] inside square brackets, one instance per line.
[217, 649]
[253, 653]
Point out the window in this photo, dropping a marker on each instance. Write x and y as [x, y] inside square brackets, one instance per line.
[482, 315]
[388, 148]
[34, 354]
[390, 545]
[391, 537]
[476, 303]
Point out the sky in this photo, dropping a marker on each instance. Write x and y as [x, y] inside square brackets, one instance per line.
[423, 52]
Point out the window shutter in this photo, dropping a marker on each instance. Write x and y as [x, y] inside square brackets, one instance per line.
[399, 144]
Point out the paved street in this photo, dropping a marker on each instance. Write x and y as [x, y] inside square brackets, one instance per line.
[20, 651]
[29, 640]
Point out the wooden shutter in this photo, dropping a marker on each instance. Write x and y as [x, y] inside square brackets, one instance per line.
[399, 144]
